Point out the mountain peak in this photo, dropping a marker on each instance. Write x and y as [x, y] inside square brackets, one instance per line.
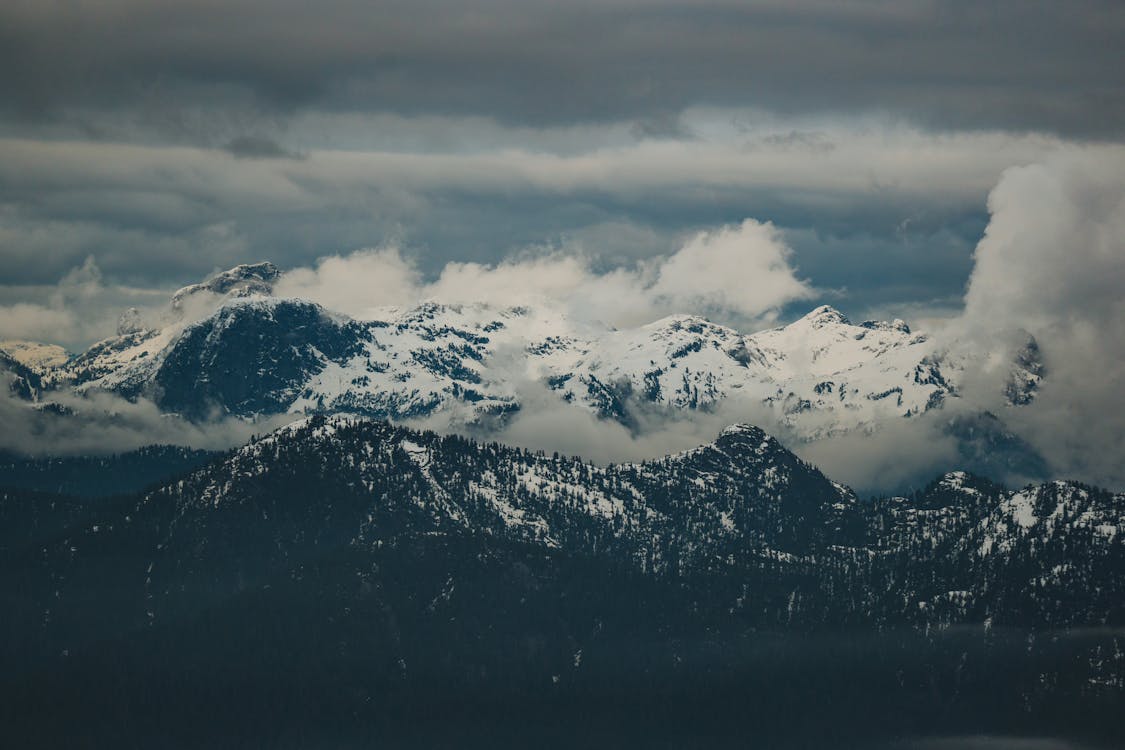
[746, 434]
[825, 315]
[898, 324]
[742, 429]
[242, 280]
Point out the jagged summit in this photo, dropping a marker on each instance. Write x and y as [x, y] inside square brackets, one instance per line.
[898, 324]
[748, 439]
[825, 315]
[245, 279]
[1026, 373]
[685, 321]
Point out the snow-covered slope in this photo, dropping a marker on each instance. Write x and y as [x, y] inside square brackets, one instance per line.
[383, 561]
[820, 374]
[241, 281]
[739, 508]
[471, 364]
[126, 362]
[37, 357]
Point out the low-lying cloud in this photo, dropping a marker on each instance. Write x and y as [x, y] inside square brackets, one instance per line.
[80, 309]
[102, 423]
[1051, 264]
[741, 273]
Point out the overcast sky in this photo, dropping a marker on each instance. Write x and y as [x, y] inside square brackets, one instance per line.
[146, 144]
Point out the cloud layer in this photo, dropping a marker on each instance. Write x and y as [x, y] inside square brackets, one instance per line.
[739, 273]
[887, 214]
[200, 70]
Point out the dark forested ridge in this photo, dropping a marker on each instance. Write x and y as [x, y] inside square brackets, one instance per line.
[348, 583]
[99, 476]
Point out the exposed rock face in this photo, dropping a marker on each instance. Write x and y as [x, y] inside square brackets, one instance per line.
[252, 357]
[241, 281]
[1027, 372]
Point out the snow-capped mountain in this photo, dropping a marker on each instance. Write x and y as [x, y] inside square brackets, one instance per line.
[36, 357]
[381, 559]
[739, 511]
[259, 355]
[733, 508]
[820, 374]
[241, 281]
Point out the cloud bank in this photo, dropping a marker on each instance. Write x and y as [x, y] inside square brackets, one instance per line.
[79, 309]
[888, 212]
[1052, 262]
[197, 70]
[102, 423]
[741, 273]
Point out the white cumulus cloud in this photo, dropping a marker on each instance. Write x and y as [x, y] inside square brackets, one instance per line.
[741, 273]
[1052, 262]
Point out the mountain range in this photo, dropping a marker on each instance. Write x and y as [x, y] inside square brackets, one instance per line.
[345, 578]
[227, 347]
[361, 571]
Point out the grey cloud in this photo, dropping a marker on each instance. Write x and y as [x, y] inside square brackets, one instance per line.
[77, 311]
[1051, 262]
[798, 139]
[897, 458]
[258, 147]
[158, 217]
[101, 423]
[944, 64]
[661, 125]
[151, 213]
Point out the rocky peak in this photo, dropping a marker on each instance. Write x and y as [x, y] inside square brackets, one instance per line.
[747, 432]
[825, 315]
[1027, 372]
[881, 325]
[240, 281]
[747, 439]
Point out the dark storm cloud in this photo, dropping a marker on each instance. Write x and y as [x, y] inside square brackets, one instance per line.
[205, 70]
